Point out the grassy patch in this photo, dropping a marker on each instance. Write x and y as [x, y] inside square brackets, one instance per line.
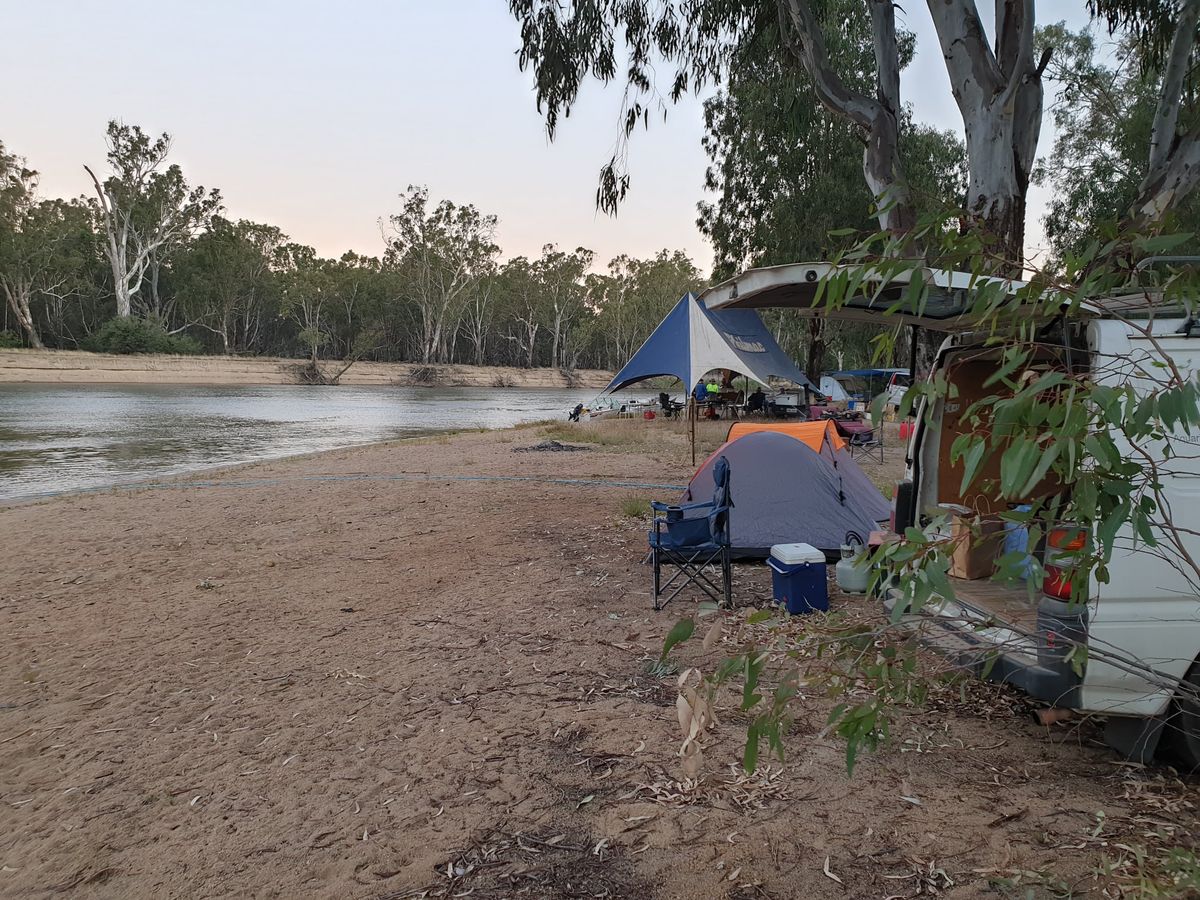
[616, 433]
[635, 507]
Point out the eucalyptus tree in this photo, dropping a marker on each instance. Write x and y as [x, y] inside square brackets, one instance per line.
[43, 244]
[441, 254]
[360, 294]
[784, 173]
[519, 293]
[144, 207]
[304, 291]
[1104, 115]
[560, 278]
[479, 314]
[225, 277]
[634, 296]
[996, 83]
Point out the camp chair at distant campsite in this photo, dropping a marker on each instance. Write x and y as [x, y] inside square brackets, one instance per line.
[867, 442]
[670, 407]
[691, 538]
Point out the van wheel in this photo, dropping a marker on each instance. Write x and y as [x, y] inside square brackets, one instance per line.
[1182, 734]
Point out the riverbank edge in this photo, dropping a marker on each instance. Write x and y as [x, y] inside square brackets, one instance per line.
[219, 470]
[83, 367]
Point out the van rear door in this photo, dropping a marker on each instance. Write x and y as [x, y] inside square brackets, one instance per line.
[942, 304]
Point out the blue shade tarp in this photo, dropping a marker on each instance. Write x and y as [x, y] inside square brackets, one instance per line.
[693, 341]
[866, 373]
[784, 492]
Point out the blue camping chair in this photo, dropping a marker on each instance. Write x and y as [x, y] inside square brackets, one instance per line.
[690, 537]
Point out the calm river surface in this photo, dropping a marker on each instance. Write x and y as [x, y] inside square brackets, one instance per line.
[69, 437]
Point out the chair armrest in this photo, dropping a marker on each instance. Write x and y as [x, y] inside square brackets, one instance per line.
[659, 506]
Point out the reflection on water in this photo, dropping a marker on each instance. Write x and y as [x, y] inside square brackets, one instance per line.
[58, 438]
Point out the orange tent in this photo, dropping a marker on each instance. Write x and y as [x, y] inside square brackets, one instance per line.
[814, 434]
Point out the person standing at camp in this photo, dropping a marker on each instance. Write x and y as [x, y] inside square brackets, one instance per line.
[711, 390]
[700, 392]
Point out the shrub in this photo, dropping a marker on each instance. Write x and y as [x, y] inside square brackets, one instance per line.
[10, 340]
[130, 335]
[635, 508]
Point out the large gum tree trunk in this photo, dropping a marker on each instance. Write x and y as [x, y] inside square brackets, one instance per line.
[999, 94]
[877, 117]
[1174, 163]
[18, 296]
[996, 193]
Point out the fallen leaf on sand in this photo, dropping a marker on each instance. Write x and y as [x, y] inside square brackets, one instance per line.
[588, 799]
[684, 709]
[829, 874]
[713, 637]
[693, 759]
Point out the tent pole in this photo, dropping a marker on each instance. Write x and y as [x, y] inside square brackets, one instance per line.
[692, 426]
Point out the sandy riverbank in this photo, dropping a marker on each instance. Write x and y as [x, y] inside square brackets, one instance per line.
[80, 367]
[418, 670]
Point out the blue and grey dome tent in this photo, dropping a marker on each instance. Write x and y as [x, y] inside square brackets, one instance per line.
[785, 492]
[692, 341]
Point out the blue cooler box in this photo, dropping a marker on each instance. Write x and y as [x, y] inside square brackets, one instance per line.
[798, 578]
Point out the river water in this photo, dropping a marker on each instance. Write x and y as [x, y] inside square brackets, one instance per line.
[56, 438]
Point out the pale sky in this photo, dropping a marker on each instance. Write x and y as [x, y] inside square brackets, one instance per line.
[313, 116]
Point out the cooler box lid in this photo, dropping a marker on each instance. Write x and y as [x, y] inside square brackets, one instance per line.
[796, 554]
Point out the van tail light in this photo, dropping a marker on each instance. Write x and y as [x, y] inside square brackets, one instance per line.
[1061, 546]
[1057, 583]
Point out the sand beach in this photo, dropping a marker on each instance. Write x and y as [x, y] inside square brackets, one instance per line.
[419, 669]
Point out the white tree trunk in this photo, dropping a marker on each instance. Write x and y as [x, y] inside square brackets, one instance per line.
[999, 94]
[1174, 168]
[19, 296]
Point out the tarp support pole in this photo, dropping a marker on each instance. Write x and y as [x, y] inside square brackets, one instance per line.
[914, 338]
[692, 426]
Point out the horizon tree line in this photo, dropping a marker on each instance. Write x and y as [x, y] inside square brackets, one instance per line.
[152, 263]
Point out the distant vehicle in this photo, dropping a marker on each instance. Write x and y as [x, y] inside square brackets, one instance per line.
[608, 408]
[1140, 628]
[864, 385]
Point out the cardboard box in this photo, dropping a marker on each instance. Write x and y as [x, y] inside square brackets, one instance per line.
[977, 543]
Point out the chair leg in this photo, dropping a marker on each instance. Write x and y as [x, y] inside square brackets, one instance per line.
[727, 576]
[691, 569]
[657, 579]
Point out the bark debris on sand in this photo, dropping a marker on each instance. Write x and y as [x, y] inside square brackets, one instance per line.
[551, 447]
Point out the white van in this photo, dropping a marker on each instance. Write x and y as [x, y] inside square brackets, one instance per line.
[1144, 624]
